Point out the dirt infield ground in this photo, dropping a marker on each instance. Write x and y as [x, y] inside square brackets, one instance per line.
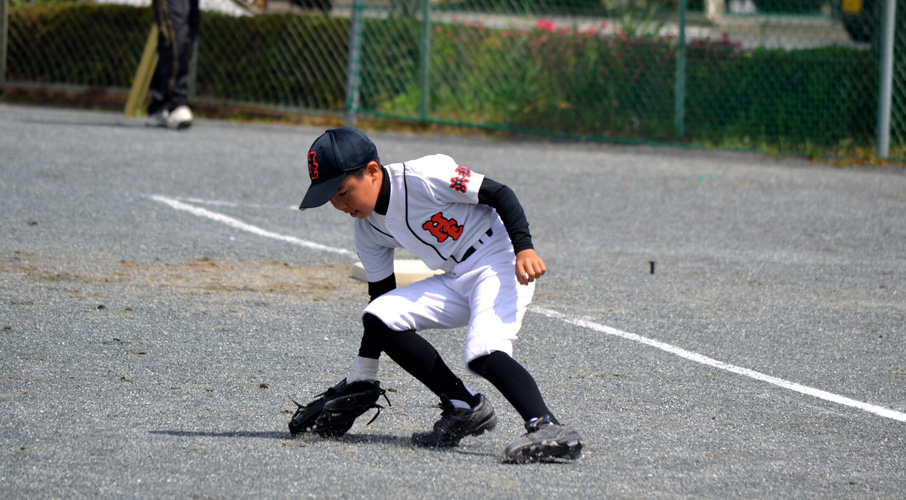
[161, 302]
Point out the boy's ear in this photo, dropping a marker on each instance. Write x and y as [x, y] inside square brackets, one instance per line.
[372, 168]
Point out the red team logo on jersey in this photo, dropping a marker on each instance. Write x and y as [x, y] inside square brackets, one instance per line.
[312, 165]
[459, 183]
[442, 228]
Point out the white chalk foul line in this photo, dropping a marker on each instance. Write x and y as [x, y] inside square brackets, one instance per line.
[677, 351]
[699, 358]
[242, 226]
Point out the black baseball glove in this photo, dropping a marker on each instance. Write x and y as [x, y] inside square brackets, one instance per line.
[333, 411]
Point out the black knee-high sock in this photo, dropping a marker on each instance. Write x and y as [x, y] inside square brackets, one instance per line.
[514, 382]
[415, 355]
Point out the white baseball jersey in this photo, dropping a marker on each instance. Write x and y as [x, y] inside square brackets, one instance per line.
[433, 212]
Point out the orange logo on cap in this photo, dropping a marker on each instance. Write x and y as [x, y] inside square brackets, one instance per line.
[312, 165]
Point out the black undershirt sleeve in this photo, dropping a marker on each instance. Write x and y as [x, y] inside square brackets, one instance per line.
[378, 288]
[503, 199]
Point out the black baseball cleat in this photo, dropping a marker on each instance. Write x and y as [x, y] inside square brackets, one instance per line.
[457, 423]
[545, 441]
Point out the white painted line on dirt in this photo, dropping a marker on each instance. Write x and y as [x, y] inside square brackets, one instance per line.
[242, 226]
[699, 358]
[677, 351]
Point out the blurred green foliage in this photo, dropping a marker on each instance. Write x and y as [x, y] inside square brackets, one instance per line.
[592, 81]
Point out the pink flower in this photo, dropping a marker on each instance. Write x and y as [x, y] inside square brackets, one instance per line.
[546, 25]
[539, 41]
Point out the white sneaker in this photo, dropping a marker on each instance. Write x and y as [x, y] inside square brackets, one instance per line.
[158, 119]
[180, 118]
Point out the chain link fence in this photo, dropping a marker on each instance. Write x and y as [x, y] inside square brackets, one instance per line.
[797, 77]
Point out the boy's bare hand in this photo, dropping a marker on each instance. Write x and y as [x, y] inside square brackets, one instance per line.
[529, 266]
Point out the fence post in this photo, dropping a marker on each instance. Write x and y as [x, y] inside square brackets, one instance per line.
[4, 29]
[352, 71]
[886, 84]
[680, 93]
[425, 64]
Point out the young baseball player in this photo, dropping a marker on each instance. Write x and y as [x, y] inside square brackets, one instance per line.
[475, 230]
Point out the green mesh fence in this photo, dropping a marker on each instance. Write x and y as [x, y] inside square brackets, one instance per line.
[786, 76]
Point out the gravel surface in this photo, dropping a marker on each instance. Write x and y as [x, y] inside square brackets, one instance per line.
[161, 302]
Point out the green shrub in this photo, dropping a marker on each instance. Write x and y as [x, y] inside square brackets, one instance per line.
[271, 60]
[389, 60]
[76, 43]
[583, 83]
[549, 7]
[819, 96]
[546, 80]
[277, 60]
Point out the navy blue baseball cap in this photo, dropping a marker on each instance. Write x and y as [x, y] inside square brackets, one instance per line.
[334, 154]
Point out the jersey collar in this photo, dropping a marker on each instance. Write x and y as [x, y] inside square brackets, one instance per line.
[383, 201]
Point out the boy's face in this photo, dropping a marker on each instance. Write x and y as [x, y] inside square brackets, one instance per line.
[357, 196]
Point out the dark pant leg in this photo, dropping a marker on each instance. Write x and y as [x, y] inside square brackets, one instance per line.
[415, 355]
[177, 22]
[514, 382]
